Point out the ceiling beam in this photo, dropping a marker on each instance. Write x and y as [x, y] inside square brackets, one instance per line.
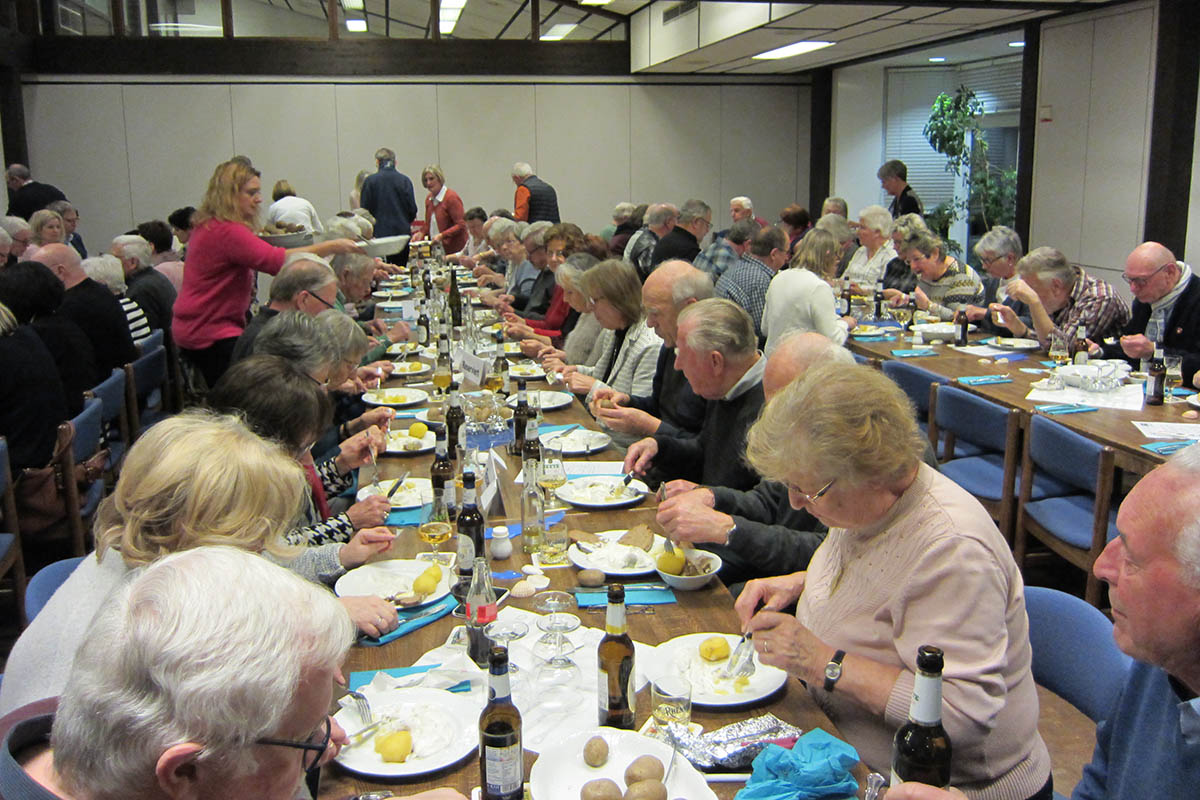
[599, 11]
[513, 18]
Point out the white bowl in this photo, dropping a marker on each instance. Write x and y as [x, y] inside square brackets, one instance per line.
[690, 583]
[385, 246]
[289, 240]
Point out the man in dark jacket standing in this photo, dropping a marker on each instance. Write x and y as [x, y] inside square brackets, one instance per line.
[535, 200]
[388, 195]
[27, 195]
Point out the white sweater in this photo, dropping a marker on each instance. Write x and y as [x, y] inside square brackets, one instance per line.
[798, 300]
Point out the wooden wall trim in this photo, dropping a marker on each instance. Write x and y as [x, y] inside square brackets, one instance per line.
[1027, 129]
[96, 55]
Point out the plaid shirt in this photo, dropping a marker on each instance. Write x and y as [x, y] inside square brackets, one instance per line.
[1094, 306]
[716, 258]
[746, 283]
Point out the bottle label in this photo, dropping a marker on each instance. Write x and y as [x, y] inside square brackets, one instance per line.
[498, 688]
[422, 335]
[481, 614]
[505, 768]
[614, 621]
[602, 689]
[466, 549]
[926, 707]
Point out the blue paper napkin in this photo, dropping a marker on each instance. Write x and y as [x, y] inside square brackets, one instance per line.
[1065, 408]
[357, 680]
[1011, 357]
[1179, 391]
[1047, 363]
[444, 607]
[817, 766]
[875, 338]
[638, 597]
[404, 517]
[544, 429]
[914, 353]
[1167, 448]
[976, 380]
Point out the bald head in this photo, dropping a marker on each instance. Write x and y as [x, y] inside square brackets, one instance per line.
[794, 354]
[62, 260]
[670, 288]
[1151, 271]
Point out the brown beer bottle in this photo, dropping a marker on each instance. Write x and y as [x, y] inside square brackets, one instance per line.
[618, 699]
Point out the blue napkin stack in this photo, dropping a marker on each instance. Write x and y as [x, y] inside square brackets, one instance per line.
[817, 766]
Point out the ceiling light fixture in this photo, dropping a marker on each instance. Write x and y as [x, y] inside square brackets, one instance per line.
[184, 27]
[352, 5]
[594, 2]
[558, 32]
[449, 14]
[936, 59]
[1016, 44]
[794, 49]
[356, 25]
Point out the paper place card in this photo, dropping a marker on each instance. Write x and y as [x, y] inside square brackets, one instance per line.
[475, 369]
[1168, 430]
[1127, 398]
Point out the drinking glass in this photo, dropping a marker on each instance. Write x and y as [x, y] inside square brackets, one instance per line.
[1059, 352]
[504, 633]
[553, 473]
[435, 529]
[554, 544]
[1174, 365]
[670, 700]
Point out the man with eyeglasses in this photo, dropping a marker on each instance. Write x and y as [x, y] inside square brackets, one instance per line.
[1166, 309]
[305, 283]
[683, 241]
[149, 712]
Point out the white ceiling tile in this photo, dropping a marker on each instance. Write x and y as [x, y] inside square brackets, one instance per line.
[820, 16]
[973, 16]
[915, 12]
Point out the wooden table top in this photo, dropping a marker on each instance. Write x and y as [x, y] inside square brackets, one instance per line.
[709, 609]
[1110, 426]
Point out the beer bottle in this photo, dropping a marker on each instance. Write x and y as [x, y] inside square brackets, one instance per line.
[921, 749]
[455, 300]
[470, 520]
[1079, 347]
[423, 326]
[1156, 380]
[501, 758]
[879, 299]
[480, 609]
[960, 318]
[442, 472]
[617, 690]
[520, 418]
[848, 296]
[455, 418]
[427, 284]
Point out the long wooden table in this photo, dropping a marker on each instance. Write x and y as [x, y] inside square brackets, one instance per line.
[1109, 426]
[709, 609]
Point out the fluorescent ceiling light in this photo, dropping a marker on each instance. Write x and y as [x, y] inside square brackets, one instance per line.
[356, 25]
[183, 26]
[936, 59]
[594, 2]
[1016, 44]
[448, 15]
[352, 5]
[558, 32]
[794, 49]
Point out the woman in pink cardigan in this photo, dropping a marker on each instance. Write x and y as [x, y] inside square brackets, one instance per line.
[222, 256]
[910, 559]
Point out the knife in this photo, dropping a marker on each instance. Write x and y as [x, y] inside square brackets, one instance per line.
[398, 484]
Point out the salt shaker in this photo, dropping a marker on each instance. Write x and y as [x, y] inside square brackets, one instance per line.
[501, 544]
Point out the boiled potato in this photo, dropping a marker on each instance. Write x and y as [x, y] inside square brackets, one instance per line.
[600, 789]
[672, 563]
[590, 577]
[646, 790]
[394, 747]
[644, 768]
[714, 648]
[434, 570]
[417, 430]
[595, 752]
[424, 584]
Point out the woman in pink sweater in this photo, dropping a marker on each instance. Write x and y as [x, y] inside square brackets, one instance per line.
[910, 559]
[222, 256]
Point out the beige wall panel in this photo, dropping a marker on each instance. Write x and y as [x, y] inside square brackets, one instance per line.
[676, 152]
[483, 130]
[858, 101]
[758, 150]
[177, 136]
[289, 131]
[77, 142]
[583, 149]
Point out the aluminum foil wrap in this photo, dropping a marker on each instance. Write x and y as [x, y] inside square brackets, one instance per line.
[733, 746]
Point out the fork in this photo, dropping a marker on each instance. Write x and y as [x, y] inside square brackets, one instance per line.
[362, 706]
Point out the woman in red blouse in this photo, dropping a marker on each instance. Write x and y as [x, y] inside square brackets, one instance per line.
[445, 206]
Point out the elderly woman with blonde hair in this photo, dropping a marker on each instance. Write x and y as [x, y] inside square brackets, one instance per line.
[910, 559]
[192, 480]
[944, 284]
[801, 298]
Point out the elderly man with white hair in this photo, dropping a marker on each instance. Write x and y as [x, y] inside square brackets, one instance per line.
[148, 713]
[1149, 742]
[869, 262]
[305, 283]
[106, 269]
[534, 200]
[151, 289]
[91, 306]
[716, 348]
[19, 233]
[621, 214]
[742, 207]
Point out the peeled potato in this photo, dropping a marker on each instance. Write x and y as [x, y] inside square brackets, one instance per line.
[644, 768]
[672, 563]
[394, 747]
[595, 752]
[646, 790]
[418, 429]
[600, 789]
[714, 648]
[434, 570]
[424, 584]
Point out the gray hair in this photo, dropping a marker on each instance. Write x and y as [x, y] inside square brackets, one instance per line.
[1000, 241]
[135, 247]
[692, 210]
[5, 239]
[893, 169]
[908, 224]
[1187, 541]
[802, 346]
[836, 224]
[345, 333]
[8, 322]
[61, 207]
[836, 205]
[1046, 263]
[570, 271]
[742, 231]
[342, 228]
[385, 154]
[741, 201]
[352, 265]
[767, 239]
[876, 218]
[721, 325]
[623, 211]
[537, 232]
[502, 228]
[302, 272]
[106, 269]
[695, 284]
[17, 171]
[660, 214]
[148, 678]
[299, 338]
[521, 170]
[14, 225]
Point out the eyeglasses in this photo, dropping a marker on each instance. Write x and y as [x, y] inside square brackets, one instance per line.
[814, 497]
[1146, 279]
[313, 749]
[322, 299]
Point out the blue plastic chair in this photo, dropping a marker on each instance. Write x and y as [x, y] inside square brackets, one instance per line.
[1076, 525]
[84, 433]
[45, 583]
[145, 389]
[1074, 654]
[917, 383]
[111, 392]
[11, 558]
[155, 339]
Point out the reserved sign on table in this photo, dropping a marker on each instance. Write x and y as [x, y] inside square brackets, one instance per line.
[475, 369]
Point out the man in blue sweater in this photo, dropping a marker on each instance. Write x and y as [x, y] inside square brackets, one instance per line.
[1150, 744]
[388, 195]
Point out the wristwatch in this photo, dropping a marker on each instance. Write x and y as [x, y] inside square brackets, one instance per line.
[833, 670]
[729, 534]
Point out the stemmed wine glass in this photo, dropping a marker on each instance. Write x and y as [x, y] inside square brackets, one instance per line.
[555, 677]
[504, 633]
[1174, 365]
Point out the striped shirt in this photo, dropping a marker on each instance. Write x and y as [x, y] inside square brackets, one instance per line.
[139, 326]
[1094, 309]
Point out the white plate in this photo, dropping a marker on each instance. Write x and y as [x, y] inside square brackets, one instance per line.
[404, 348]
[416, 492]
[1193, 400]
[561, 772]
[590, 561]
[869, 330]
[453, 720]
[586, 492]
[1011, 343]
[547, 401]
[938, 330]
[389, 294]
[397, 441]
[384, 245]
[682, 655]
[389, 577]
[411, 368]
[423, 416]
[530, 372]
[512, 348]
[495, 326]
[395, 397]
[580, 441]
